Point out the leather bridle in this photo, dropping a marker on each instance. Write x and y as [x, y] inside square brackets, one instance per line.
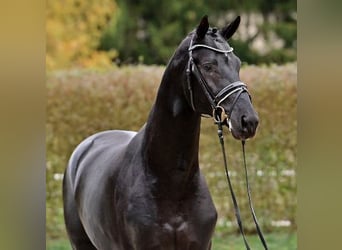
[215, 101]
[221, 117]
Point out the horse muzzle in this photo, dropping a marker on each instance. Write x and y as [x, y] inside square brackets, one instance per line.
[242, 128]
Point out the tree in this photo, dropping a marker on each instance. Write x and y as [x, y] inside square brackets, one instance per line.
[73, 31]
[148, 31]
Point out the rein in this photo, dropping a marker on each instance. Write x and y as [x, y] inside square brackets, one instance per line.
[236, 206]
[220, 118]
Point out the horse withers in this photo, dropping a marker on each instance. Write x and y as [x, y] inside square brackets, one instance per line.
[144, 190]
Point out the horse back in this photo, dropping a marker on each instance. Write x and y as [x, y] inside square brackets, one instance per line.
[99, 149]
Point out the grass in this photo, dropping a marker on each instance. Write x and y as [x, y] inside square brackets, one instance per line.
[276, 241]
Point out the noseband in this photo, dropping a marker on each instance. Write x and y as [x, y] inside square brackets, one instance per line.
[238, 87]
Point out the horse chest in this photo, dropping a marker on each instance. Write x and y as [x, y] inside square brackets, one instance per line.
[187, 225]
[175, 231]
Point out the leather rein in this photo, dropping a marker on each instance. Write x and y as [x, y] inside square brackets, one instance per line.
[220, 118]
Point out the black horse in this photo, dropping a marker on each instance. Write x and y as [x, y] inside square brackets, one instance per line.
[144, 190]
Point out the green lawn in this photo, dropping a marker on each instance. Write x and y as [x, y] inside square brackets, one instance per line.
[275, 241]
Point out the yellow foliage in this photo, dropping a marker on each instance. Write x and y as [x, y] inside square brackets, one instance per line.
[73, 30]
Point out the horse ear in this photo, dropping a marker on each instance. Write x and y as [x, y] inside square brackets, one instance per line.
[203, 27]
[228, 31]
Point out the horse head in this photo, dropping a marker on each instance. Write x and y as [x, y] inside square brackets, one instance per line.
[213, 85]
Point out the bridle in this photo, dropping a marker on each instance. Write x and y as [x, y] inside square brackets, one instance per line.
[215, 101]
[221, 117]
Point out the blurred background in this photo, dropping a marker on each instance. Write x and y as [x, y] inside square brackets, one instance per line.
[99, 33]
[104, 62]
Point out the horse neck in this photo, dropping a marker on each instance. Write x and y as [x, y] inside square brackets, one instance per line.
[172, 134]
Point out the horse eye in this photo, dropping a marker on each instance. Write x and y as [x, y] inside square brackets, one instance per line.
[207, 67]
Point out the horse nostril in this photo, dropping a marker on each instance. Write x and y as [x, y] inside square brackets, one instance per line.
[244, 122]
[249, 124]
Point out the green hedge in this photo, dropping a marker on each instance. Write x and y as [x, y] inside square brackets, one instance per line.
[80, 103]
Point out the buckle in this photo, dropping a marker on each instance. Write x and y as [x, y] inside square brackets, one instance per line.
[219, 115]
